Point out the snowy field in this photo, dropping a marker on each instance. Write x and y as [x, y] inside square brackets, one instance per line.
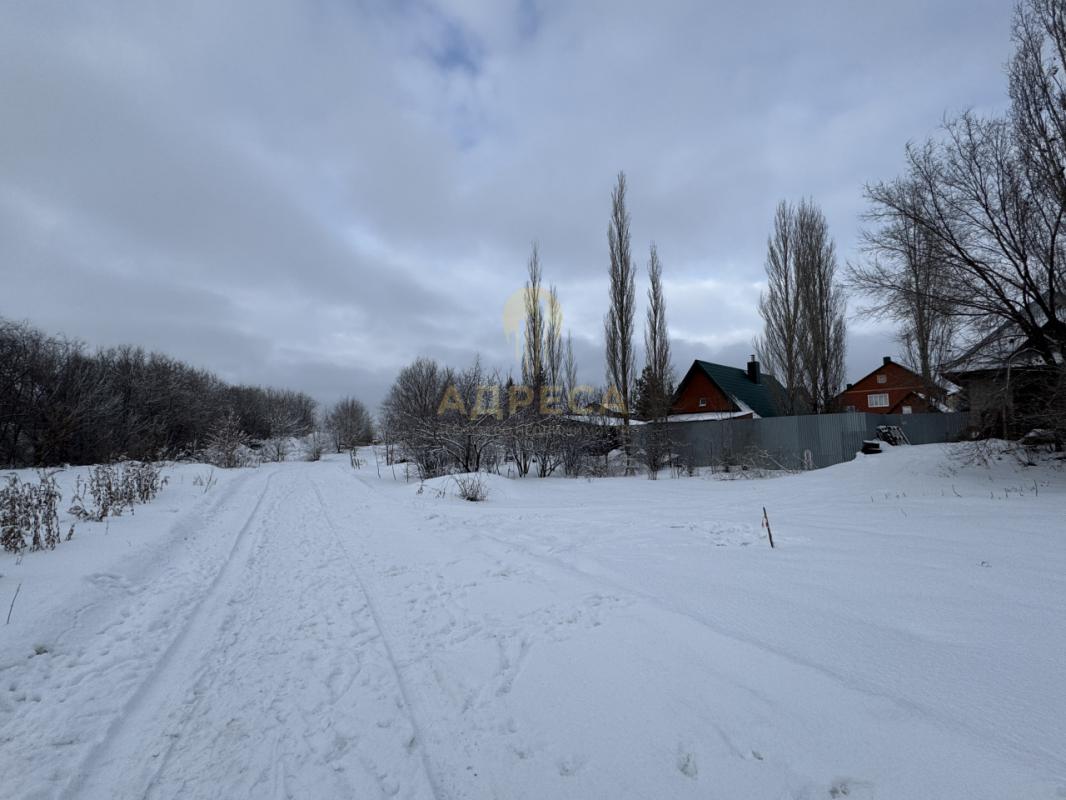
[314, 631]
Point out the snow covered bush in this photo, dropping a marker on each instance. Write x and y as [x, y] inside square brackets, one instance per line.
[146, 479]
[227, 444]
[30, 511]
[277, 448]
[471, 487]
[315, 446]
[116, 487]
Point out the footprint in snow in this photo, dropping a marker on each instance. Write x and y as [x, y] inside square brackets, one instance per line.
[109, 581]
[570, 766]
[851, 788]
[686, 763]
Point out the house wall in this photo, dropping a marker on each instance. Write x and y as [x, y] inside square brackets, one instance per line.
[988, 403]
[699, 385]
[899, 382]
[917, 403]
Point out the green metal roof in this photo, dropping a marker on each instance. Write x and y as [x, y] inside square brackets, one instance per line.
[759, 397]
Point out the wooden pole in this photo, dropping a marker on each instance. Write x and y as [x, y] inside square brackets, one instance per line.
[12, 606]
[766, 524]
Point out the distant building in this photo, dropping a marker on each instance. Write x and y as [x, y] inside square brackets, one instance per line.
[715, 391]
[891, 389]
[1007, 384]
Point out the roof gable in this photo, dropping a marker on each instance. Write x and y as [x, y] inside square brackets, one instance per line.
[886, 367]
[999, 347]
[734, 382]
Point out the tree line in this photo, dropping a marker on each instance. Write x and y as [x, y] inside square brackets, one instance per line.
[62, 404]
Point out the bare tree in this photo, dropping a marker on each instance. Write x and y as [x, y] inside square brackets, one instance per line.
[657, 338]
[904, 280]
[655, 387]
[522, 399]
[989, 195]
[227, 442]
[349, 424]
[803, 309]
[534, 423]
[533, 351]
[469, 426]
[410, 413]
[779, 346]
[822, 308]
[618, 324]
[571, 445]
[569, 371]
[553, 342]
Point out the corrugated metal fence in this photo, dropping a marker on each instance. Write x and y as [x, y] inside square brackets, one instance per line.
[817, 440]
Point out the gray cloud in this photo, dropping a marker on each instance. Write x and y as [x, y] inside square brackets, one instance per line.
[313, 194]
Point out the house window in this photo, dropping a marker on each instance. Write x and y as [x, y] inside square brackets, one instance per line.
[877, 400]
[882, 379]
[907, 410]
[703, 402]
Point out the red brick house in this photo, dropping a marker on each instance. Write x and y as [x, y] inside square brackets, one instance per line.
[715, 391]
[889, 389]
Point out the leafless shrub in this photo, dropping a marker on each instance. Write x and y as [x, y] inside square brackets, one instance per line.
[277, 448]
[683, 461]
[30, 511]
[751, 463]
[985, 452]
[471, 486]
[205, 480]
[114, 488]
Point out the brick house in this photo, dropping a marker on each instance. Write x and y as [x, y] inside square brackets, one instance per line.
[889, 389]
[715, 391]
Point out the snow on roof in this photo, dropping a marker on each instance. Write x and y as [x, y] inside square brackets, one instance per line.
[711, 415]
[597, 419]
[1007, 344]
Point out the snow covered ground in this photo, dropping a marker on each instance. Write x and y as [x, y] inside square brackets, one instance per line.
[314, 631]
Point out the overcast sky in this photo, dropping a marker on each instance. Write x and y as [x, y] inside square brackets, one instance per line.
[312, 194]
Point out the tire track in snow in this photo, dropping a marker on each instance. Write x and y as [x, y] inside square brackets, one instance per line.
[99, 751]
[431, 774]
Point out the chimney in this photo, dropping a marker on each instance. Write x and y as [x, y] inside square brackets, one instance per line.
[849, 387]
[753, 370]
[888, 360]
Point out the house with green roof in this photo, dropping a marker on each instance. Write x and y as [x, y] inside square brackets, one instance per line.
[715, 391]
